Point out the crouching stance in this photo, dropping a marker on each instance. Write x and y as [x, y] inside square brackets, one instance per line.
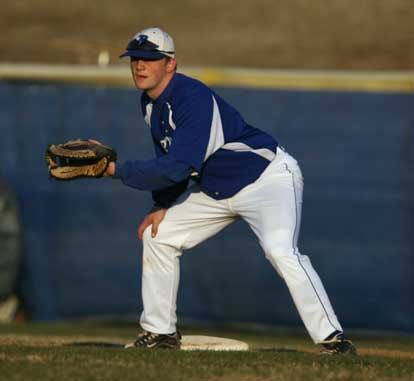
[237, 171]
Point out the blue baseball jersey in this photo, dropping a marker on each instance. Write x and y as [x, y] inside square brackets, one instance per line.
[197, 135]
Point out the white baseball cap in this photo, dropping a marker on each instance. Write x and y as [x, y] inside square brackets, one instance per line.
[152, 44]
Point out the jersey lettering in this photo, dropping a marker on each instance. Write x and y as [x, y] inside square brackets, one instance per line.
[166, 143]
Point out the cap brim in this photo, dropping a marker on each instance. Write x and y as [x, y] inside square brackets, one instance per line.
[146, 54]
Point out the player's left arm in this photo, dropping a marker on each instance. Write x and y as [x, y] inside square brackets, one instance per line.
[193, 117]
[155, 174]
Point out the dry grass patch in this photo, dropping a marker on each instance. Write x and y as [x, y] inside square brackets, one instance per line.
[338, 34]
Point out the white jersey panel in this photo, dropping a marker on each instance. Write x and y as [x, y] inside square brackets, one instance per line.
[148, 112]
[170, 117]
[241, 147]
[216, 139]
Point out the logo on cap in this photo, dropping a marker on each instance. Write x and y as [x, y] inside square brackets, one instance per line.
[142, 39]
[151, 43]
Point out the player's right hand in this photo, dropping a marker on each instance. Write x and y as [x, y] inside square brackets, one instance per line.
[110, 171]
[154, 219]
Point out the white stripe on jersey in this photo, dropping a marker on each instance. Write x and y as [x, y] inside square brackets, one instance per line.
[216, 139]
[148, 112]
[241, 147]
[170, 119]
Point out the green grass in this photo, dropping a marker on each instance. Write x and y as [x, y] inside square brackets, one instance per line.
[275, 356]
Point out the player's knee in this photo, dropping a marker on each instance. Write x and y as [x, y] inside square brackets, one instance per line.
[278, 253]
[148, 239]
[279, 257]
[160, 239]
[287, 260]
[278, 241]
[276, 244]
[147, 235]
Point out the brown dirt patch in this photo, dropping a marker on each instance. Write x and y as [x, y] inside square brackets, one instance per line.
[56, 341]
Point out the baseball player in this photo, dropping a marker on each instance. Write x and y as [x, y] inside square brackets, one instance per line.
[211, 167]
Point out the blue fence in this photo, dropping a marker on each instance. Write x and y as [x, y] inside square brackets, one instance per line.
[82, 255]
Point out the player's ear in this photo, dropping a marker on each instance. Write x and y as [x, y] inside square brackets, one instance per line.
[171, 64]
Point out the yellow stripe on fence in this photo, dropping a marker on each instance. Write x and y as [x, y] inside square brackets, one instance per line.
[117, 75]
[309, 80]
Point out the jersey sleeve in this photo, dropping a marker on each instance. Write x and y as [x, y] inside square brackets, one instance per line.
[194, 139]
[165, 197]
[154, 174]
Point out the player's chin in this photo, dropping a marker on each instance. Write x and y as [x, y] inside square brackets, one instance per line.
[141, 84]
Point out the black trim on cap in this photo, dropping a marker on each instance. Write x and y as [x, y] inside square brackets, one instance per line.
[141, 43]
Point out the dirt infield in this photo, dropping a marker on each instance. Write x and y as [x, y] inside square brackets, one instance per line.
[99, 341]
[354, 34]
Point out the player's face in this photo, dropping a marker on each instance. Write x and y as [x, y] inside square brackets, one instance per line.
[152, 76]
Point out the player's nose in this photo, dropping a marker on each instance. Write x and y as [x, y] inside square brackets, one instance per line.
[138, 64]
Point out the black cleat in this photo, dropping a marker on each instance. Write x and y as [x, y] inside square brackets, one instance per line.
[156, 340]
[338, 345]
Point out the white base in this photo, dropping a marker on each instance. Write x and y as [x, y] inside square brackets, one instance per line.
[209, 343]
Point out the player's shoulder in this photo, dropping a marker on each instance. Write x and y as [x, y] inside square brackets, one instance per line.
[185, 80]
[188, 86]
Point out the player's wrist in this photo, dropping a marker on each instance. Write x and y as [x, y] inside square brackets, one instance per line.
[110, 171]
[121, 171]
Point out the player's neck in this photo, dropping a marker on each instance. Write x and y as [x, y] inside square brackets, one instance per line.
[159, 89]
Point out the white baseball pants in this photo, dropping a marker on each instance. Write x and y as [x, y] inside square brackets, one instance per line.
[272, 208]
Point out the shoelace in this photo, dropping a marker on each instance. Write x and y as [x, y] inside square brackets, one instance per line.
[145, 337]
[332, 341]
[337, 339]
[335, 346]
